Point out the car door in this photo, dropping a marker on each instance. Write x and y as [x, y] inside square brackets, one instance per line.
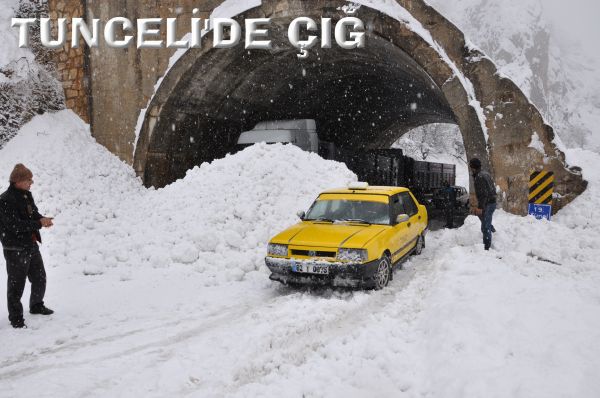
[399, 231]
[414, 223]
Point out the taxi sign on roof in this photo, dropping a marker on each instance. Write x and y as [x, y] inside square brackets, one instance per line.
[358, 185]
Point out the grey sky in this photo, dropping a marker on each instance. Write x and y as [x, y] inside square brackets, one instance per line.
[577, 21]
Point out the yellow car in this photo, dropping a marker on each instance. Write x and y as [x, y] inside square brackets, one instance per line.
[351, 237]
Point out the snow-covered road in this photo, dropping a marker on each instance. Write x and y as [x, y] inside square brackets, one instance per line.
[164, 293]
[222, 341]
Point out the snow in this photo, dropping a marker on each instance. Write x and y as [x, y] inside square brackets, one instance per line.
[26, 87]
[548, 49]
[10, 53]
[164, 292]
[536, 143]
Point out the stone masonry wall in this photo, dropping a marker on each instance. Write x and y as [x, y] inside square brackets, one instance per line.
[96, 97]
[70, 62]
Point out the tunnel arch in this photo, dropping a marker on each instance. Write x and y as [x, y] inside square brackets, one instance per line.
[225, 90]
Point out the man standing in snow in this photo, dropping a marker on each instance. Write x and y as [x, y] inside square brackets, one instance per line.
[20, 225]
[485, 190]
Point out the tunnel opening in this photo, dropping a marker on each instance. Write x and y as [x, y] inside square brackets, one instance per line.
[437, 142]
[360, 99]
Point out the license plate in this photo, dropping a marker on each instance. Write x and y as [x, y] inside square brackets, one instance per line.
[310, 269]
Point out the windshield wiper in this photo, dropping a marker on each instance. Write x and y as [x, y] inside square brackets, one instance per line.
[357, 220]
[322, 219]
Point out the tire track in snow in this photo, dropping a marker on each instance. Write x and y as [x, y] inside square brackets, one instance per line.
[295, 348]
[71, 349]
[240, 318]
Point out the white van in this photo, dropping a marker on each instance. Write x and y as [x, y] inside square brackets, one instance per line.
[300, 132]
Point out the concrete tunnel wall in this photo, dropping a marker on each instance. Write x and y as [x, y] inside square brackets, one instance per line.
[189, 103]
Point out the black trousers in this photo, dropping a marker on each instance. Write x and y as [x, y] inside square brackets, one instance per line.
[20, 265]
[449, 210]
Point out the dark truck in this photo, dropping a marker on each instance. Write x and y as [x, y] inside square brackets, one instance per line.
[390, 167]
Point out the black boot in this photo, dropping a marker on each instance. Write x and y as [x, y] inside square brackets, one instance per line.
[18, 324]
[40, 309]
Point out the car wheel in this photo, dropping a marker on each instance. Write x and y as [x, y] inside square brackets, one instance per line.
[420, 245]
[382, 275]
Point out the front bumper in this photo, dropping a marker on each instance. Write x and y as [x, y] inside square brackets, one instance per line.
[340, 274]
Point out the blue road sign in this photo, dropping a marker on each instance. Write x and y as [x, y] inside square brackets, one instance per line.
[540, 211]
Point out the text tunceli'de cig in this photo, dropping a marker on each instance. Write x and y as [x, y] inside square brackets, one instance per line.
[348, 33]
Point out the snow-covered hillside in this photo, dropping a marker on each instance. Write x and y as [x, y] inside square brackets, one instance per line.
[553, 59]
[164, 292]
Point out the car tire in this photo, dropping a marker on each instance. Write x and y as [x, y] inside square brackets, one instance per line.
[383, 274]
[419, 246]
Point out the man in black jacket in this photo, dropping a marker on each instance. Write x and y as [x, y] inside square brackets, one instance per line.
[20, 224]
[485, 190]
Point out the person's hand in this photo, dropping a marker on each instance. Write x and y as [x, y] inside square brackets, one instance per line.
[46, 222]
[476, 212]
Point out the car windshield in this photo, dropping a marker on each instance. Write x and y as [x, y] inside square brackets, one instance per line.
[349, 210]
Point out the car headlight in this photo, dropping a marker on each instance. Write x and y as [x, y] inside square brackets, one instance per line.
[275, 249]
[354, 255]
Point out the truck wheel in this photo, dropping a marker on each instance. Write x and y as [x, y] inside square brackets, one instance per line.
[382, 275]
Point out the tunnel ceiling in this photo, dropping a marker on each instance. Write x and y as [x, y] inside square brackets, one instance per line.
[355, 96]
[350, 93]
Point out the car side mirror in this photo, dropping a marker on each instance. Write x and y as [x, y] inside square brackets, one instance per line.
[301, 214]
[402, 218]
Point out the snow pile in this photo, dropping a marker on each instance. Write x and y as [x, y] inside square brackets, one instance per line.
[216, 220]
[234, 205]
[78, 182]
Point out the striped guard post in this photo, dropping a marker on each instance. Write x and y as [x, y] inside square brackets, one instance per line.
[541, 187]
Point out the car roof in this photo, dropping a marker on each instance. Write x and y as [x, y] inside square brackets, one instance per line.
[373, 190]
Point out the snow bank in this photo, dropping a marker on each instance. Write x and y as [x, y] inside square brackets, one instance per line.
[216, 220]
[222, 214]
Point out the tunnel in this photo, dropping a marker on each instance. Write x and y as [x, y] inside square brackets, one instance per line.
[417, 68]
[360, 98]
